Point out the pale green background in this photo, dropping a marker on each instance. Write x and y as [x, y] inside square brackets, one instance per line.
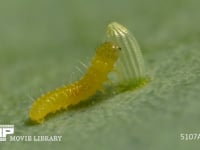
[42, 41]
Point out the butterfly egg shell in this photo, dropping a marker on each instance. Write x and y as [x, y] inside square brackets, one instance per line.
[130, 65]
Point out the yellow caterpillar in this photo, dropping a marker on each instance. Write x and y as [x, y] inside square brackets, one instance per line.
[102, 64]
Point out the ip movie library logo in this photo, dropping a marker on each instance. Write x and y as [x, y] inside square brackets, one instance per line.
[6, 130]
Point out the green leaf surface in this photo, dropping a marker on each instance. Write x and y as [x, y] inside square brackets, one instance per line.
[43, 41]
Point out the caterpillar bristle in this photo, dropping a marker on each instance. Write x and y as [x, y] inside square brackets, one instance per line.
[79, 70]
[84, 65]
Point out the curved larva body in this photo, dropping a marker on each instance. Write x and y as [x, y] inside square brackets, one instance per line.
[102, 64]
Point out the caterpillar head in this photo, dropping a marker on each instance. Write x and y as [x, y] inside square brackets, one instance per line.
[108, 51]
